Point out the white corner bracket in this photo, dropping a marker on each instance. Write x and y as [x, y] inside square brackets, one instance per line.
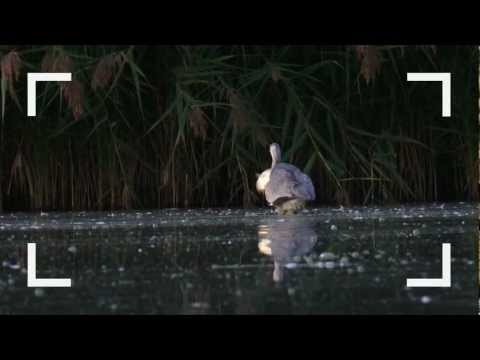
[445, 281]
[32, 79]
[445, 78]
[32, 280]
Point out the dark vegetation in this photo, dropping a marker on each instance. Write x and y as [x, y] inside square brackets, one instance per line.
[187, 126]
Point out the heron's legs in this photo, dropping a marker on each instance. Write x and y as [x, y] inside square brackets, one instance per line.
[290, 207]
[288, 211]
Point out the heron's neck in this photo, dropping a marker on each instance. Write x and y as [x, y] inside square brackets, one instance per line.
[275, 157]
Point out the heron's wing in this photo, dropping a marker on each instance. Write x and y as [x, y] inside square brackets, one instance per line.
[304, 188]
[286, 181]
[280, 184]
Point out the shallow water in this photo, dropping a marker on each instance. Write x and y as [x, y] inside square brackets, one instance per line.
[235, 261]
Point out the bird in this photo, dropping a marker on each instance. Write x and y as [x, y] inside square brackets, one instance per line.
[285, 187]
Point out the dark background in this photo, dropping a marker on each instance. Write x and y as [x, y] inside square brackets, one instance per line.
[187, 126]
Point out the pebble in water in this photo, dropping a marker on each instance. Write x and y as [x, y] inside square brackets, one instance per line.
[426, 299]
[344, 262]
[15, 266]
[325, 256]
[330, 265]
[200, 305]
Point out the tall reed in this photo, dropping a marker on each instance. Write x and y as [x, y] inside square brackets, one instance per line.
[188, 126]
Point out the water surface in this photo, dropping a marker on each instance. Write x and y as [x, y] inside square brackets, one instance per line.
[236, 261]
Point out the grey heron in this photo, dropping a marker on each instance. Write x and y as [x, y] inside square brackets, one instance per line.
[285, 187]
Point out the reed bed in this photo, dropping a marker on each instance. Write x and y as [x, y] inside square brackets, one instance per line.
[189, 126]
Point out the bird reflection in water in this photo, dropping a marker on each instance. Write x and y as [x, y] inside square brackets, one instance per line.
[286, 241]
